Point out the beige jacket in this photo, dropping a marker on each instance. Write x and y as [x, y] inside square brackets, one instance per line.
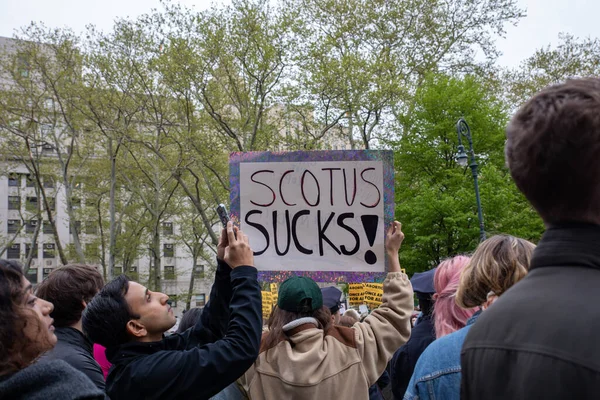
[341, 363]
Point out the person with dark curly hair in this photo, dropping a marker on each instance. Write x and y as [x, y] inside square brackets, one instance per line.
[26, 332]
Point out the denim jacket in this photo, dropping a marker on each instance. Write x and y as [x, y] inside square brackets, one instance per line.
[437, 373]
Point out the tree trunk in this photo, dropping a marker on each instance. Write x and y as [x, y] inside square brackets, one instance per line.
[112, 235]
[36, 233]
[102, 241]
[192, 277]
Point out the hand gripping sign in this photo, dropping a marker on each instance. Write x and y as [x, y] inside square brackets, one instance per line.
[319, 213]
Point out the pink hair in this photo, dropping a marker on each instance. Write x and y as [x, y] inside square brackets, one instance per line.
[448, 316]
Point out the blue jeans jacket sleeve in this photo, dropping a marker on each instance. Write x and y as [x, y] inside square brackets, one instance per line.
[437, 374]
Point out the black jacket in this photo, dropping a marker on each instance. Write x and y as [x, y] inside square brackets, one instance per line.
[203, 360]
[51, 380]
[74, 348]
[539, 340]
[406, 357]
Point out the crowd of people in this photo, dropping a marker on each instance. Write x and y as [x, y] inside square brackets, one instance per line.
[510, 321]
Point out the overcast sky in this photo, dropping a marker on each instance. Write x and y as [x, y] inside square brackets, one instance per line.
[545, 19]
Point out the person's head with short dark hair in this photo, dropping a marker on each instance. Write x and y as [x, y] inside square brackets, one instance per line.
[189, 319]
[553, 151]
[26, 329]
[70, 288]
[125, 311]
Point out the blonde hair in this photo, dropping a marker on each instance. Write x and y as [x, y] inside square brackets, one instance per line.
[498, 263]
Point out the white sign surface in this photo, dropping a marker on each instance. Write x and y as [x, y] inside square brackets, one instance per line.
[314, 216]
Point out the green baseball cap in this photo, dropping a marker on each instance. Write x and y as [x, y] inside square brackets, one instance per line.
[299, 294]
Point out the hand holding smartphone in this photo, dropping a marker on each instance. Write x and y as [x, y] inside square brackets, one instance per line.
[223, 214]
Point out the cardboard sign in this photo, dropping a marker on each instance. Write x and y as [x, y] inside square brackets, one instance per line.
[314, 211]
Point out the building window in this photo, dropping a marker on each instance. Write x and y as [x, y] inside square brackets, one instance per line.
[172, 300]
[31, 275]
[199, 271]
[28, 249]
[13, 180]
[14, 202]
[45, 130]
[49, 103]
[31, 204]
[92, 251]
[47, 228]
[200, 300]
[91, 228]
[14, 251]
[47, 148]
[168, 250]
[48, 182]
[169, 272]
[167, 228]
[77, 227]
[46, 272]
[31, 225]
[13, 225]
[30, 181]
[49, 250]
[133, 273]
[23, 66]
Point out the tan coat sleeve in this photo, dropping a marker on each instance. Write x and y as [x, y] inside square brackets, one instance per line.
[387, 327]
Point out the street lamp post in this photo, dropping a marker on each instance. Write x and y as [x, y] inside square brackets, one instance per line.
[462, 129]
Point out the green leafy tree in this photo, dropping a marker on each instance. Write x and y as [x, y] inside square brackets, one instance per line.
[434, 196]
[571, 58]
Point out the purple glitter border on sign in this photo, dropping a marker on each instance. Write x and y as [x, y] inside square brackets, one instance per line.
[387, 158]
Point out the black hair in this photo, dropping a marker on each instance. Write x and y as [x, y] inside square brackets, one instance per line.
[105, 318]
[189, 319]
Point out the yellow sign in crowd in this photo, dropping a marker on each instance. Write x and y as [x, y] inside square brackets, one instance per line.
[365, 293]
[358, 293]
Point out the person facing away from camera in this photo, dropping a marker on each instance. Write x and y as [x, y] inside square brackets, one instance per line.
[498, 263]
[304, 356]
[70, 289]
[435, 290]
[531, 344]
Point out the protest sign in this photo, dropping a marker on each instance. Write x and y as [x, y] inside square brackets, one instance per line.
[323, 213]
[356, 293]
[267, 303]
[373, 292]
[274, 293]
